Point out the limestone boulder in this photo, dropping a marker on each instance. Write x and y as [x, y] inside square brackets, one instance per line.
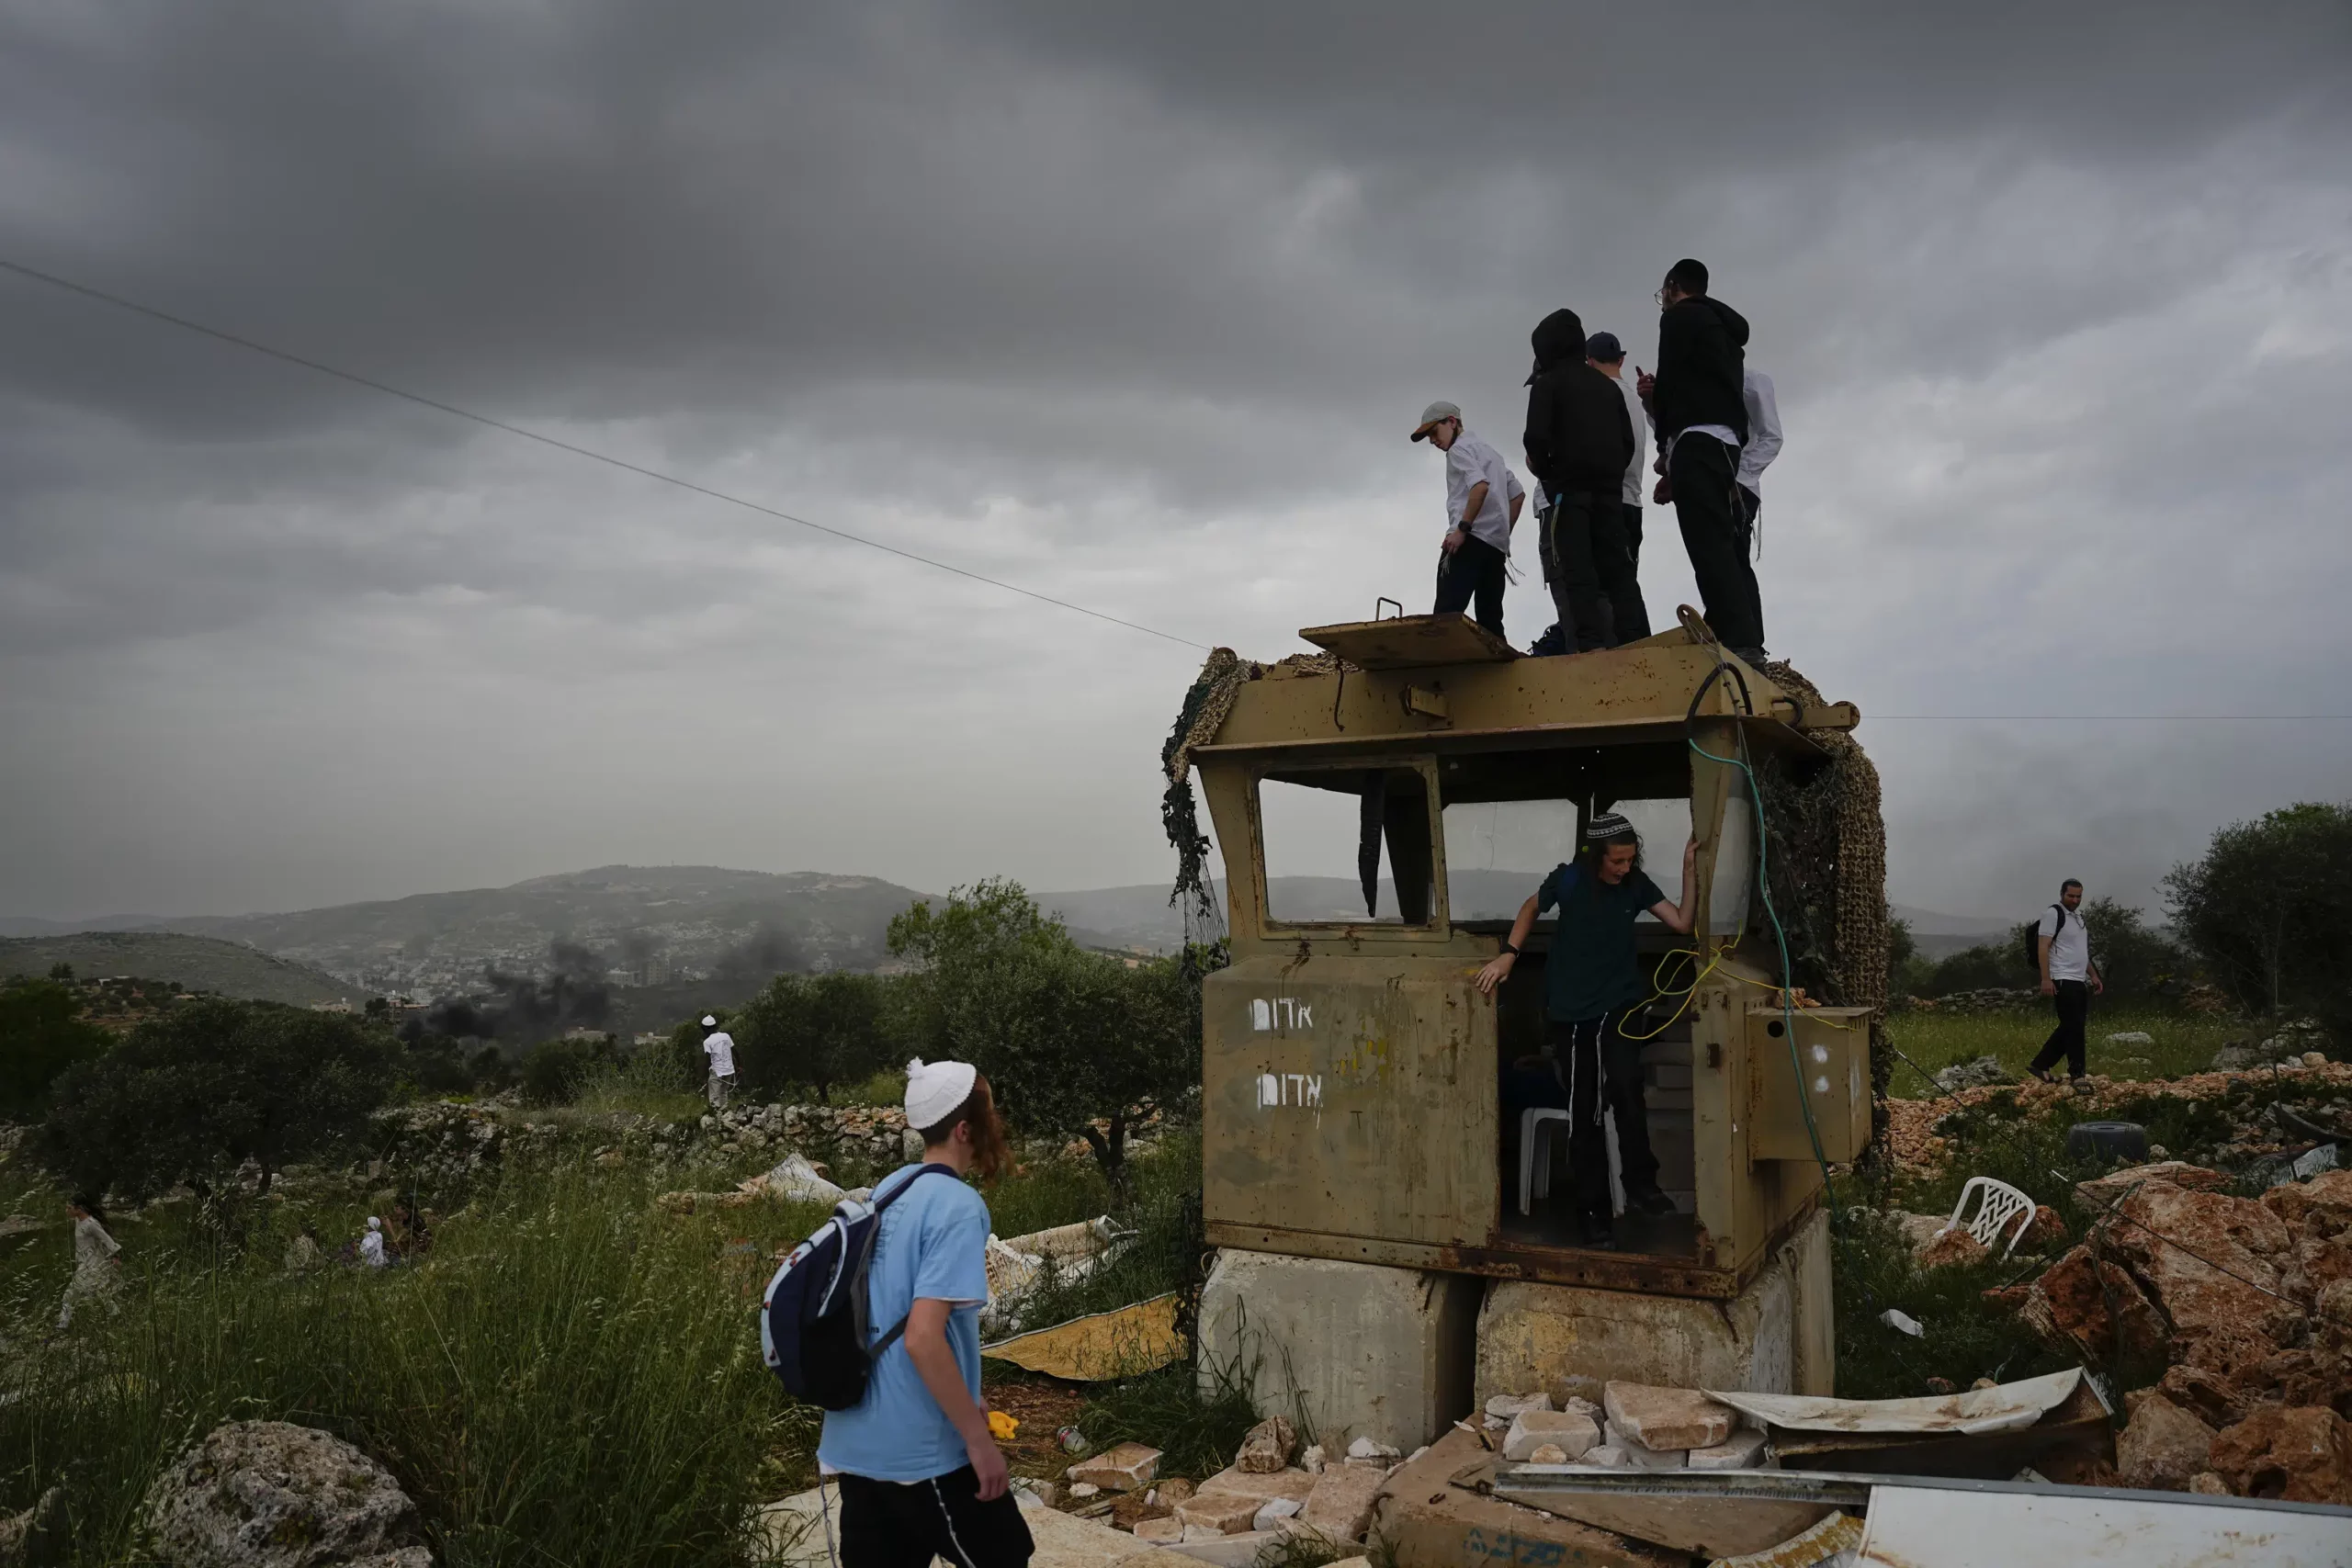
[1743, 1449]
[2211, 1262]
[2091, 1303]
[1954, 1245]
[1228, 1501]
[1267, 1446]
[1666, 1419]
[2100, 1192]
[1126, 1467]
[273, 1494]
[2297, 1454]
[2319, 1261]
[2217, 1401]
[2294, 1201]
[2162, 1447]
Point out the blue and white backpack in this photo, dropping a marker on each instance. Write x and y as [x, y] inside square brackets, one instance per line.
[814, 1317]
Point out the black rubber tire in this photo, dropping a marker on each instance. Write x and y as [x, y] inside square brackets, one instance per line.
[2118, 1141]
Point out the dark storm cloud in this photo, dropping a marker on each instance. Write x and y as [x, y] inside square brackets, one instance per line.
[1130, 304]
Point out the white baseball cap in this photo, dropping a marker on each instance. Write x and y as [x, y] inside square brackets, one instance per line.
[934, 1089]
[1434, 413]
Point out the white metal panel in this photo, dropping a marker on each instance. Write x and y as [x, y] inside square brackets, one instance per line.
[1917, 1527]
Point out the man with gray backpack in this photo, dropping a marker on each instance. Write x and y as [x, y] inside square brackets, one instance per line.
[877, 1318]
[2060, 949]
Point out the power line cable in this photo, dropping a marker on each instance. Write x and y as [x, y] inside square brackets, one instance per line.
[153, 313]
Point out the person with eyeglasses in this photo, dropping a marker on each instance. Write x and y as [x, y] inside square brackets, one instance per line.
[1696, 397]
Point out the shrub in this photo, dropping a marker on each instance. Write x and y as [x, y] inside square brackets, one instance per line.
[812, 1031]
[41, 1034]
[193, 1095]
[2269, 910]
[552, 1069]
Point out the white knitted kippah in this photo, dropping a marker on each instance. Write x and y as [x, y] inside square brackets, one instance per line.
[934, 1089]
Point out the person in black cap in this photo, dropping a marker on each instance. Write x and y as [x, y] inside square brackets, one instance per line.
[1593, 978]
[1695, 397]
[1606, 354]
[1579, 442]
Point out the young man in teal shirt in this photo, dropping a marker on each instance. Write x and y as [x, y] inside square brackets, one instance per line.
[1593, 979]
[921, 1474]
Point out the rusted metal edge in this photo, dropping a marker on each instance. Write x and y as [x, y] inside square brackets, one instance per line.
[1829, 1486]
[1550, 1266]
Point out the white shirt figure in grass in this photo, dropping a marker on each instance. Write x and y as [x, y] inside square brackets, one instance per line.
[371, 1246]
[97, 1269]
[719, 1047]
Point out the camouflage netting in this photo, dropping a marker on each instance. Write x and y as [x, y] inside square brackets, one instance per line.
[1827, 857]
[1203, 715]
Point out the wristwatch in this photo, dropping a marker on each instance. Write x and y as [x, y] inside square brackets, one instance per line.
[1509, 949]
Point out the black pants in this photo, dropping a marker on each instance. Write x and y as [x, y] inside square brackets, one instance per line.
[1593, 585]
[1477, 567]
[2073, 1004]
[1707, 506]
[1637, 627]
[1603, 1071]
[886, 1524]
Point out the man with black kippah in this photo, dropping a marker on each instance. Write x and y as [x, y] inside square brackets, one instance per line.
[1593, 979]
[1696, 398]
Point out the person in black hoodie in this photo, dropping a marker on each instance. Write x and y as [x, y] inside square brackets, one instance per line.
[1579, 440]
[1695, 399]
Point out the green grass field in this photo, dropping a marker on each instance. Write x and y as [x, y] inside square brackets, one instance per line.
[2181, 1042]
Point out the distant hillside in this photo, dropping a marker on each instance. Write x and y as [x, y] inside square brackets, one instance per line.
[632, 926]
[197, 963]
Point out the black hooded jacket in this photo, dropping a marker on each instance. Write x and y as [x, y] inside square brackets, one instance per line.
[1579, 438]
[1701, 350]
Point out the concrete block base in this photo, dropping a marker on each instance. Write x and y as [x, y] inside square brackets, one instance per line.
[1774, 1337]
[1368, 1351]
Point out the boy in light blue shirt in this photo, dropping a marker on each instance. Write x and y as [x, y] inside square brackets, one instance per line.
[921, 1474]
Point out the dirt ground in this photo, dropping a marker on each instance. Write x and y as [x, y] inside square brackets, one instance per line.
[1043, 1406]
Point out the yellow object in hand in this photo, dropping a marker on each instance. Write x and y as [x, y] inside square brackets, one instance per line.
[1001, 1426]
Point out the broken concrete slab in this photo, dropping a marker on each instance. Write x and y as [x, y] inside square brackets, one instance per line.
[1640, 1455]
[1226, 1513]
[1572, 1431]
[1228, 1501]
[1427, 1522]
[1129, 1467]
[1370, 1350]
[1340, 1505]
[1160, 1532]
[1666, 1418]
[1743, 1449]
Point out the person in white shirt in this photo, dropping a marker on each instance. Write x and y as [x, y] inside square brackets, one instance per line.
[97, 1263]
[1606, 354]
[719, 1047]
[2070, 977]
[1762, 445]
[371, 1244]
[1483, 499]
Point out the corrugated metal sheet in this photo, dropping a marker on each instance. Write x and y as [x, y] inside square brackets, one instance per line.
[2069, 1527]
[2002, 1409]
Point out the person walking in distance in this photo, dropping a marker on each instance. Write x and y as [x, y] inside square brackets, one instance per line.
[98, 1259]
[1483, 499]
[719, 1047]
[1606, 354]
[2070, 977]
[1579, 440]
[1695, 397]
[1763, 445]
[921, 1474]
[1593, 980]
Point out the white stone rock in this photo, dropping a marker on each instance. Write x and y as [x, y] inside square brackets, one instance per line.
[1312, 1460]
[1608, 1456]
[1279, 1508]
[1367, 1451]
[1548, 1454]
[1570, 1431]
[1503, 1406]
[1084, 1489]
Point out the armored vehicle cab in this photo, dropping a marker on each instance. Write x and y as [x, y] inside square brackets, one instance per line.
[1354, 1076]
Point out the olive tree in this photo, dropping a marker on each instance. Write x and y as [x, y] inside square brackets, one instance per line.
[195, 1095]
[2269, 910]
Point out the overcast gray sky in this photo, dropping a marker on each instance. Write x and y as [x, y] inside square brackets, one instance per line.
[1133, 304]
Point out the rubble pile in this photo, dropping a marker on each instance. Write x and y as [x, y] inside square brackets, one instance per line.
[2248, 1304]
[2295, 1042]
[1272, 1490]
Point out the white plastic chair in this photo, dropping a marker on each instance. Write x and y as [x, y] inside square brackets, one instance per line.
[1535, 1152]
[1535, 1127]
[1998, 1204]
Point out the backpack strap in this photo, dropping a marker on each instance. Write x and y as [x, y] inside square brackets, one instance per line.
[860, 1306]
